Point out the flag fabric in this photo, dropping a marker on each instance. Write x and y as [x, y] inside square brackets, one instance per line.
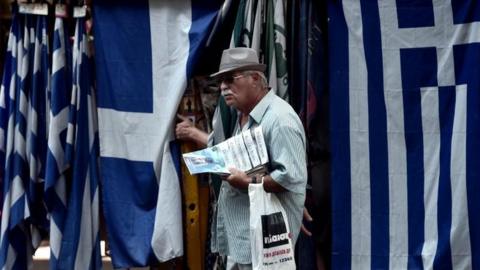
[276, 47]
[80, 243]
[36, 141]
[261, 25]
[405, 108]
[56, 164]
[9, 86]
[23, 101]
[248, 27]
[145, 52]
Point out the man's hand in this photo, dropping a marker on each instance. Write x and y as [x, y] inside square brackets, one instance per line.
[307, 217]
[186, 131]
[238, 179]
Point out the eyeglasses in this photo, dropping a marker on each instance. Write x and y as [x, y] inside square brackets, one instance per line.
[229, 79]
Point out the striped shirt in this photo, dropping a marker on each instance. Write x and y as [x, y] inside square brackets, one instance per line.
[285, 140]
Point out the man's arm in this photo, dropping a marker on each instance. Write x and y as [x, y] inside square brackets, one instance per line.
[241, 180]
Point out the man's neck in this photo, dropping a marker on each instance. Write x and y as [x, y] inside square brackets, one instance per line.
[246, 111]
[243, 119]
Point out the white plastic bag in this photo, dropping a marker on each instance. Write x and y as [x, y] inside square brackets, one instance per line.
[270, 236]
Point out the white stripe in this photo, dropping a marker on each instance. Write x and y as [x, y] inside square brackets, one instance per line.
[57, 126]
[170, 50]
[460, 232]
[359, 139]
[431, 161]
[279, 20]
[23, 56]
[37, 54]
[61, 189]
[19, 143]
[11, 258]
[87, 234]
[2, 95]
[58, 60]
[55, 238]
[167, 235]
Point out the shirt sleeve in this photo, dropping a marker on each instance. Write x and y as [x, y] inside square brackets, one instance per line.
[286, 146]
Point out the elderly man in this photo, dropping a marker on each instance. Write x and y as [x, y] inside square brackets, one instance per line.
[244, 87]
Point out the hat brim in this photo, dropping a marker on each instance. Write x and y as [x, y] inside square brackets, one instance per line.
[256, 67]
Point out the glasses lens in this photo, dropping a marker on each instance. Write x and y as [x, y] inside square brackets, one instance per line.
[228, 79]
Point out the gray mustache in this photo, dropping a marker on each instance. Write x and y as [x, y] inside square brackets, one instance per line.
[226, 92]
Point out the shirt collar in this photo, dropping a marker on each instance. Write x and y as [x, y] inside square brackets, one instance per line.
[257, 113]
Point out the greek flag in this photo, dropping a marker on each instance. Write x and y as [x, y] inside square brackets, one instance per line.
[56, 166]
[80, 244]
[23, 120]
[405, 123]
[145, 53]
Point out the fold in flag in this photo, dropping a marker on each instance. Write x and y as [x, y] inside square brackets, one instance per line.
[145, 52]
[405, 123]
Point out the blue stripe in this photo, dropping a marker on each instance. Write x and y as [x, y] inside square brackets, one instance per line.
[378, 147]
[443, 255]
[124, 70]
[18, 240]
[340, 137]
[203, 15]
[130, 209]
[467, 69]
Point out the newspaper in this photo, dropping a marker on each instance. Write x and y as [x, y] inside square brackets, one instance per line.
[246, 152]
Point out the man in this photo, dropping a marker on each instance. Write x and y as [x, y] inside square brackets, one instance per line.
[244, 87]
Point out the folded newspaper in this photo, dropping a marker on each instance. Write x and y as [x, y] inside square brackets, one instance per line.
[246, 152]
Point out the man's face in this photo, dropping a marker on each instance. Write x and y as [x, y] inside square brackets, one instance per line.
[236, 89]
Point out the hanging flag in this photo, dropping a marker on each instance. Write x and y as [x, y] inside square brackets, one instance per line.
[247, 31]
[7, 93]
[80, 243]
[145, 51]
[13, 240]
[36, 140]
[405, 129]
[276, 47]
[56, 165]
[23, 125]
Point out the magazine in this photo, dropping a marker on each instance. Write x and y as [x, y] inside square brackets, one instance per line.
[246, 152]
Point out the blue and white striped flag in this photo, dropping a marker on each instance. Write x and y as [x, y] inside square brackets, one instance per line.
[405, 121]
[80, 244]
[36, 143]
[56, 166]
[145, 52]
[23, 213]
[12, 239]
[7, 92]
